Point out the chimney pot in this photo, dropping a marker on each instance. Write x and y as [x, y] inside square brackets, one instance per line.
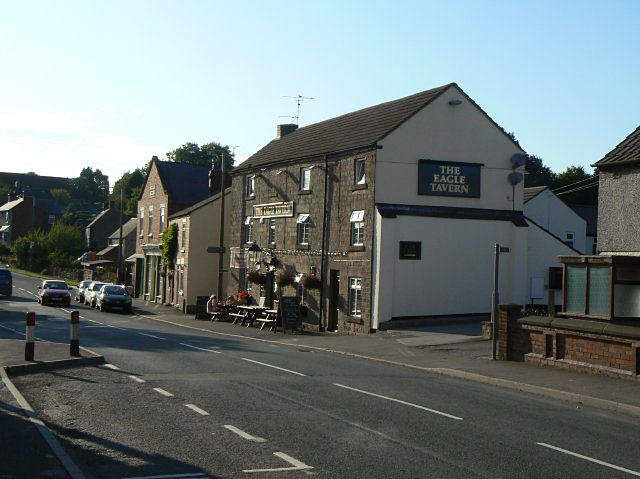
[286, 129]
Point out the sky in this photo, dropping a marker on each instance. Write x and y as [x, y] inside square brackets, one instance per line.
[110, 84]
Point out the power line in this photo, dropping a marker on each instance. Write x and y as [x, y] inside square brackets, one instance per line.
[579, 188]
[595, 177]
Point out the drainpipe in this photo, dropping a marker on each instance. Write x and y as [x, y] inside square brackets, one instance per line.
[322, 261]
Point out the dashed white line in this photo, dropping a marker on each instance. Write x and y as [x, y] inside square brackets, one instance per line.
[163, 392]
[417, 406]
[137, 379]
[152, 336]
[244, 435]
[197, 409]
[590, 459]
[297, 465]
[274, 367]
[200, 349]
[195, 475]
[112, 366]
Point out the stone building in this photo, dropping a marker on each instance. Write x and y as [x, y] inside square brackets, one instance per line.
[20, 216]
[395, 208]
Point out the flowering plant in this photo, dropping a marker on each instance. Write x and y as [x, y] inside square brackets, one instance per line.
[244, 297]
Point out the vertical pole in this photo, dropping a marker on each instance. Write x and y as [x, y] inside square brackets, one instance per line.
[494, 303]
[120, 266]
[221, 240]
[74, 342]
[29, 337]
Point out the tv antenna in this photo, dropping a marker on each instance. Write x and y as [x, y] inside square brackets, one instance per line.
[299, 99]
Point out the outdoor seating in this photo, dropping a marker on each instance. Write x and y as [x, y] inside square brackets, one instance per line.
[269, 318]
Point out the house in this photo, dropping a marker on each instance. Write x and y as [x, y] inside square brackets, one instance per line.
[112, 251]
[25, 214]
[590, 214]
[396, 209]
[543, 207]
[169, 187]
[195, 269]
[96, 233]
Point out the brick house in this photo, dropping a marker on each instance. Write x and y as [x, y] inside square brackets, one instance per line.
[395, 208]
[169, 187]
[22, 215]
[96, 233]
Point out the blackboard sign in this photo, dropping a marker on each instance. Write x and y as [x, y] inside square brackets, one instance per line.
[201, 307]
[448, 178]
[290, 313]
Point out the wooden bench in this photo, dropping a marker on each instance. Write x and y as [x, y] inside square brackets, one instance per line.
[270, 319]
[237, 317]
[218, 315]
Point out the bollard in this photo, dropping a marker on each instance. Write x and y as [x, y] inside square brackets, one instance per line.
[29, 336]
[74, 343]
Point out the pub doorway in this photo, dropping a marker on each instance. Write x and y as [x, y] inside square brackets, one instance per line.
[334, 296]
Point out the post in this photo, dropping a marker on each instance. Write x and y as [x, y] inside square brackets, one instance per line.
[120, 266]
[29, 336]
[74, 342]
[494, 303]
[221, 254]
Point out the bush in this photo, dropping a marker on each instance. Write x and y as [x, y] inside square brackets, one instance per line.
[4, 250]
[36, 258]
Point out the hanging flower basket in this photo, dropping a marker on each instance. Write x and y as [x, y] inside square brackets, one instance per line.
[311, 282]
[244, 297]
[256, 278]
[284, 279]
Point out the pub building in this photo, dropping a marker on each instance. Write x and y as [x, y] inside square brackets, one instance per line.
[395, 209]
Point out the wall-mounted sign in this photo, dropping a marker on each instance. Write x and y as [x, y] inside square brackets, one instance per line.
[273, 210]
[410, 249]
[448, 178]
[239, 258]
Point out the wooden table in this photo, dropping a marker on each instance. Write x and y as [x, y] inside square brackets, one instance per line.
[270, 318]
[250, 313]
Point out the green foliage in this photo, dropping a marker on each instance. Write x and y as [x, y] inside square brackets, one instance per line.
[59, 248]
[130, 184]
[311, 282]
[36, 258]
[4, 250]
[62, 197]
[65, 240]
[91, 186]
[169, 245]
[256, 278]
[576, 178]
[538, 173]
[284, 279]
[4, 194]
[208, 154]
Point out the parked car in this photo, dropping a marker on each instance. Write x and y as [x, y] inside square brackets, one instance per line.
[91, 291]
[82, 285]
[113, 298]
[54, 292]
[6, 282]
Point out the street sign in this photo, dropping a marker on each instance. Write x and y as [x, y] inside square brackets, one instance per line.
[505, 249]
[216, 249]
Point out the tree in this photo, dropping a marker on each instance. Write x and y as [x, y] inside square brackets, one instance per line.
[575, 185]
[538, 173]
[208, 155]
[36, 258]
[169, 246]
[130, 184]
[91, 186]
[62, 197]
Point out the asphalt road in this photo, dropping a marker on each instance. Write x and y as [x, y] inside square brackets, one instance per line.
[176, 401]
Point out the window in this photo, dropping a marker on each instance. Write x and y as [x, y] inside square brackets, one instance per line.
[357, 228]
[248, 230]
[150, 220]
[152, 191]
[303, 228]
[52, 219]
[360, 172]
[272, 231]
[251, 183]
[162, 218]
[410, 249]
[569, 238]
[305, 179]
[355, 296]
[141, 222]
[183, 239]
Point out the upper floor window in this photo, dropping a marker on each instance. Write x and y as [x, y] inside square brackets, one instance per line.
[305, 178]
[360, 172]
[184, 234]
[150, 220]
[251, 183]
[141, 222]
[303, 229]
[272, 231]
[52, 219]
[569, 238]
[248, 230]
[162, 218]
[152, 191]
[357, 228]
[355, 296]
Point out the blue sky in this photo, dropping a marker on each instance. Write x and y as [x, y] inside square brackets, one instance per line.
[109, 84]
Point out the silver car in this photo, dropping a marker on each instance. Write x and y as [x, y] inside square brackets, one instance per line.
[91, 291]
[113, 298]
[82, 285]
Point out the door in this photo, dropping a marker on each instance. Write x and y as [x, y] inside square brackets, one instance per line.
[334, 296]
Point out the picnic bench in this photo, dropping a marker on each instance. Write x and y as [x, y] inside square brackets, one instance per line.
[249, 314]
[270, 318]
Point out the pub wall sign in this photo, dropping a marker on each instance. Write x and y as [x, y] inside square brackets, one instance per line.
[273, 210]
[449, 178]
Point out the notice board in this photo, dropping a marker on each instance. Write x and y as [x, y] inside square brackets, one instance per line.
[290, 313]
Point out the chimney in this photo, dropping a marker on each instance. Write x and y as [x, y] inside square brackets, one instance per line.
[214, 181]
[286, 129]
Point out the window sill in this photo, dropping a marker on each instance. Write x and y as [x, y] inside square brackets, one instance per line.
[150, 235]
[182, 250]
[252, 197]
[302, 247]
[363, 186]
[359, 247]
[305, 192]
[354, 319]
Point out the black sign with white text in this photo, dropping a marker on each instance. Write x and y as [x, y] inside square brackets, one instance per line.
[448, 178]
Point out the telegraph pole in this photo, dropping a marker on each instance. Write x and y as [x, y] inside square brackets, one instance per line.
[221, 240]
[120, 265]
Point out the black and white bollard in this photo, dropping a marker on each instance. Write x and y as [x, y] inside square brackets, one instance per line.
[74, 343]
[30, 336]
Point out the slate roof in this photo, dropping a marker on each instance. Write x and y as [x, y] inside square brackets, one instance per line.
[127, 228]
[185, 183]
[533, 191]
[590, 214]
[200, 204]
[627, 152]
[49, 207]
[362, 128]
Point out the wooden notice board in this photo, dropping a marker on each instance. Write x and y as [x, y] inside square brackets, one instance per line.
[290, 313]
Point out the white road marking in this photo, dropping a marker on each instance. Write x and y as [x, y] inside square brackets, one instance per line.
[274, 367]
[590, 459]
[163, 392]
[11, 329]
[417, 406]
[137, 379]
[195, 475]
[22, 289]
[65, 310]
[244, 435]
[200, 349]
[297, 465]
[152, 336]
[112, 366]
[197, 409]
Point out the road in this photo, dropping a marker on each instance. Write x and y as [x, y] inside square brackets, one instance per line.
[189, 403]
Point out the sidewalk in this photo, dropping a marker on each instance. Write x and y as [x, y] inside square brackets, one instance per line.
[457, 352]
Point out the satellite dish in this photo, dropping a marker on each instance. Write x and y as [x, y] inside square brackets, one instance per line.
[515, 177]
[518, 160]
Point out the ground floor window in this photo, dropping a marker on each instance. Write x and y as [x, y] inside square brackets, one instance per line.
[355, 296]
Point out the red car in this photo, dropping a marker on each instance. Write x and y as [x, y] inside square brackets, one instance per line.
[54, 292]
